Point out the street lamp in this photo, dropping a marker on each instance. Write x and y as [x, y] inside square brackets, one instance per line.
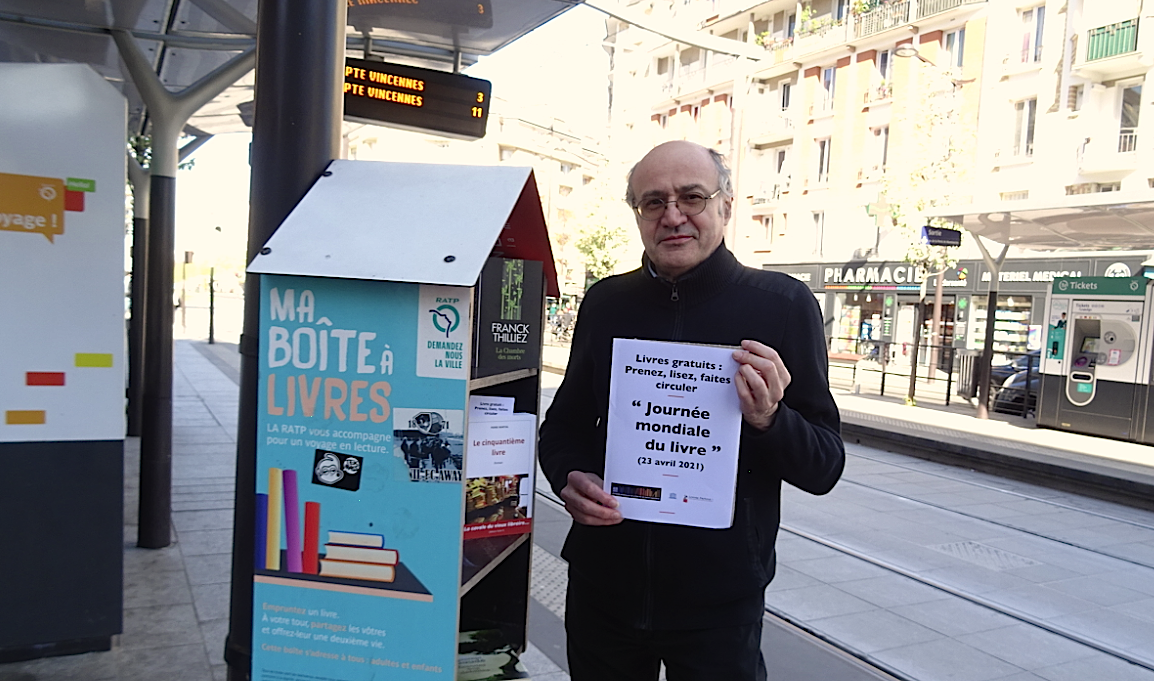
[909, 50]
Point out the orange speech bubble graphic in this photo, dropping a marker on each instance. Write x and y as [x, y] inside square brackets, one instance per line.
[32, 204]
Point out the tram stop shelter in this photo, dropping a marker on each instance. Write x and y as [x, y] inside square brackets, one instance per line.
[1108, 221]
[185, 69]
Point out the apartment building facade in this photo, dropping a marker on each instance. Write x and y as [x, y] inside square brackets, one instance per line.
[865, 108]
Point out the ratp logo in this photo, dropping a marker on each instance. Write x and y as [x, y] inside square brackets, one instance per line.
[446, 319]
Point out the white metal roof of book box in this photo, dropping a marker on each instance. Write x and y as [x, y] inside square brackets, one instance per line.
[413, 222]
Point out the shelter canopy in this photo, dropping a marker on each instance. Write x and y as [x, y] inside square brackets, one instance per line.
[187, 39]
[1105, 221]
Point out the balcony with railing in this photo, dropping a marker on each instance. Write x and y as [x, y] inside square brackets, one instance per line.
[713, 71]
[928, 8]
[780, 51]
[882, 18]
[878, 94]
[871, 173]
[825, 32]
[1110, 157]
[1110, 52]
[768, 126]
[769, 193]
[823, 106]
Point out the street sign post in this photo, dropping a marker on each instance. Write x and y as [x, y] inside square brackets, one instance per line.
[941, 236]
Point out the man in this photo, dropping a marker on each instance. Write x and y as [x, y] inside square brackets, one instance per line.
[644, 593]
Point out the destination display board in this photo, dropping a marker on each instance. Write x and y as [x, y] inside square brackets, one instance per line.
[417, 99]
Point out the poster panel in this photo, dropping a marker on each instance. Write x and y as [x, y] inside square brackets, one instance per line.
[360, 458]
[62, 265]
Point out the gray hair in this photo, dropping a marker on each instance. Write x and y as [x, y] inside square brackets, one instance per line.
[724, 177]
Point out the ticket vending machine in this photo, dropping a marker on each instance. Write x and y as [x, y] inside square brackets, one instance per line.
[1096, 359]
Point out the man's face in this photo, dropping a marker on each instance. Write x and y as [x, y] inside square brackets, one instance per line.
[676, 243]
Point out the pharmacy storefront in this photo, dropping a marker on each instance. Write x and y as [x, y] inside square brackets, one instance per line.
[864, 301]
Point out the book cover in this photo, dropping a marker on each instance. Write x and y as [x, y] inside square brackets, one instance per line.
[509, 308]
[260, 537]
[272, 537]
[310, 553]
[361, 554]
[353, 570]
[486, 655]
[292, 521]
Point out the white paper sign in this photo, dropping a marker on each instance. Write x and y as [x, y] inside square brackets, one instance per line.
[673, 432]
[503, 447]
[489, 407]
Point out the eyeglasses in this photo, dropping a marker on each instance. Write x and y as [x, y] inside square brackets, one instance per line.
[689, 203]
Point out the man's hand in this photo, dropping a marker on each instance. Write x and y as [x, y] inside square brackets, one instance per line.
[761, 381]
[587, 502]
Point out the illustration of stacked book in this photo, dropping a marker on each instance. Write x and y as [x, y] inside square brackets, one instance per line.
[355, 555]
[286, 548]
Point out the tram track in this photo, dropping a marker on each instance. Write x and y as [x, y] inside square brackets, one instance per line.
[1004, 490]
[1002, 523]
[1130, 655]
[1013, 613]
[976, 599]
[828, 645]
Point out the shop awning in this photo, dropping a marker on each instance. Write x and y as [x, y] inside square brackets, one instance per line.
[1082, 222]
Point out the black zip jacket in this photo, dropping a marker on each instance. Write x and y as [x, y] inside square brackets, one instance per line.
[657, 576]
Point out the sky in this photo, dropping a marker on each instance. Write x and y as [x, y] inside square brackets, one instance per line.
[559, 69]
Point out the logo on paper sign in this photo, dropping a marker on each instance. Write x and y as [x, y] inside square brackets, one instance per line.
[446, 319]
[37, 204]
[618, 489]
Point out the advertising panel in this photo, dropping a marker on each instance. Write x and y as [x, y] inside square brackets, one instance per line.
[61, 255]
[360, 466]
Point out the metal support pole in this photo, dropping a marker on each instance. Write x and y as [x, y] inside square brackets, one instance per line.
[138, 177]
[919, 321]
[155, 508]
[184, 293]
[296, 133]
[987, 356]
[211, 304]
[168, 113]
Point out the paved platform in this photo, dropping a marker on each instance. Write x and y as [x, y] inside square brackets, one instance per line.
[176, 599]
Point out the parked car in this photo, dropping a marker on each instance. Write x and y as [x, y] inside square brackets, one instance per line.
[1012, 397]
[1000, 372]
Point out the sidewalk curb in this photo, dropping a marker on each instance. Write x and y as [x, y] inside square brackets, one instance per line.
[1101, 475]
